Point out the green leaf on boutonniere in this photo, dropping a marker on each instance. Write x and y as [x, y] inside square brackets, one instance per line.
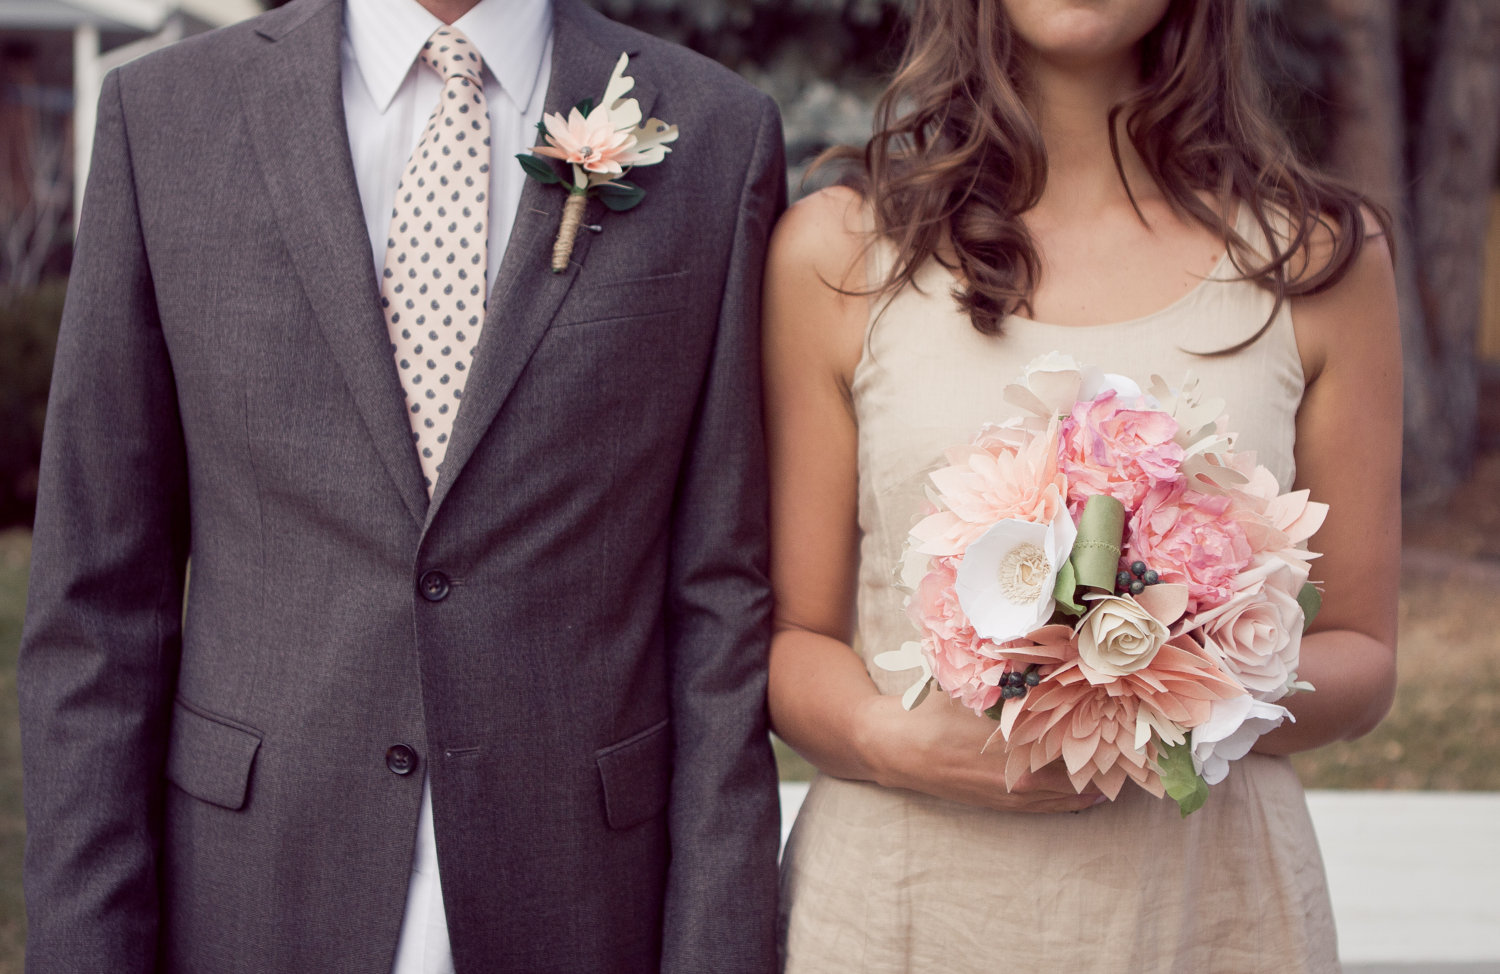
[620, 196]
[1311, 601]
[585, 106]
[538, 168]
[1184, 785]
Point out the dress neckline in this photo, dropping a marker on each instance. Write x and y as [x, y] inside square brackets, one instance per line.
[1215, 275]
[1212, 277]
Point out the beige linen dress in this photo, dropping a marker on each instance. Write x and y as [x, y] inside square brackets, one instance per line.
[883, 880]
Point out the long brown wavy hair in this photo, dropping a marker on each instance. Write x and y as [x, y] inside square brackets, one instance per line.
[957, 158]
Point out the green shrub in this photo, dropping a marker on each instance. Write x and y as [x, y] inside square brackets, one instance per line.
[28, 336]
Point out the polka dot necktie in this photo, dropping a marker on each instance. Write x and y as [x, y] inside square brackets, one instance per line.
[433, 285]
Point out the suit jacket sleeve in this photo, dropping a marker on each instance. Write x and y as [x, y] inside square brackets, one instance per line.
[103, 620]
[723, 813]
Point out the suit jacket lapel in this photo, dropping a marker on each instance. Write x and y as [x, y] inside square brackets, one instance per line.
[527, 294]
[292, 92]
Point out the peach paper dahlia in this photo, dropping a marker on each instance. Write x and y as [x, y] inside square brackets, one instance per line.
[1095, 727]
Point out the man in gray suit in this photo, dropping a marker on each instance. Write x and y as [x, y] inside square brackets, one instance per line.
[485, 695]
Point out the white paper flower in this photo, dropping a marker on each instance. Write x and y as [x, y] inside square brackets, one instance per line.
[1007, 576]
[1198, 418]
[1056, 381]
[1117, 636]
[1053, 382]
[1124, 387]
[1232, 728]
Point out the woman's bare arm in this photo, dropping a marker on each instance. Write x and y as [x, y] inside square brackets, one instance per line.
[822, 700]
[1349, 456]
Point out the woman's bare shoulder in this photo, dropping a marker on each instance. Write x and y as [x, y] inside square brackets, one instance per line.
[824, 235]
[816, 308]
[1355, 316]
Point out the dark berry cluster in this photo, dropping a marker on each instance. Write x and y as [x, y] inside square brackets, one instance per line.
[1136, 580]
[1014, 684]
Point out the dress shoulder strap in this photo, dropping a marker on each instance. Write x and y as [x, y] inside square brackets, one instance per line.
[880, 257]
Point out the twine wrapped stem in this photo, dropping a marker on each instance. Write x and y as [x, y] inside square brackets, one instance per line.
[567, 233]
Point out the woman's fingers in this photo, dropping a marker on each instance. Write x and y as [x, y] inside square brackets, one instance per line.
[939, 749]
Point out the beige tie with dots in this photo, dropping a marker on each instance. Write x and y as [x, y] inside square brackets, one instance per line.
[433, 286]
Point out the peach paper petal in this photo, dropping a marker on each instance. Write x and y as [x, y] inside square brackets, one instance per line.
[1166, 602]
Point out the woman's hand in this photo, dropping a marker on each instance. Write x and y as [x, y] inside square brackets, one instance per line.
[939, 748]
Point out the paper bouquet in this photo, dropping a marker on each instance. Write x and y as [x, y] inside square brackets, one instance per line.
[1113, 583]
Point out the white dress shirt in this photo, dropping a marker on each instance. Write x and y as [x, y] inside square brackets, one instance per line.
[388, 97]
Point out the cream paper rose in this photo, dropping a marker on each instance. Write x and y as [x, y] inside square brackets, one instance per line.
[1117, 636]
[1258, 632]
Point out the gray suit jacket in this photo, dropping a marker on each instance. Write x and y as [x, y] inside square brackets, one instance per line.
[569, 638]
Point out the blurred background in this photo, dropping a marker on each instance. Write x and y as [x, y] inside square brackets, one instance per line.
[1403, 99]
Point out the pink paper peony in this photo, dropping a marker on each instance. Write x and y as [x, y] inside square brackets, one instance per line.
[1110, 448]
[960, 660]
[1190, 538]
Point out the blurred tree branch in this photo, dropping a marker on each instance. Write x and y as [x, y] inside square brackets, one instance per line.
[1450, 132]
[36, 220]
[35, 174]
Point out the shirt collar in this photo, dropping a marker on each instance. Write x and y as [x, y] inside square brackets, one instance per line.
[387, 35]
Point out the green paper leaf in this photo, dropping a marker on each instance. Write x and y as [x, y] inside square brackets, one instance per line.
[585, 106]
[620, 196]
[1183, 784]
[1311, 601]
[538, 168]
[1066, 590]
[994, 712]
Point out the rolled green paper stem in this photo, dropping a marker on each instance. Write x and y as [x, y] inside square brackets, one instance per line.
[1096, 552]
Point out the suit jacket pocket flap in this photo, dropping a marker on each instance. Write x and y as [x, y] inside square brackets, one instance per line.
[210, 757]
[594, 302]
[637, 776]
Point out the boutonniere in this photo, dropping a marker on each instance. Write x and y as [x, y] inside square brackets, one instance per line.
[601, 142]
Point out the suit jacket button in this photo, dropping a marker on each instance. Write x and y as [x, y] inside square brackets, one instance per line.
[401, 759]
[434, 586]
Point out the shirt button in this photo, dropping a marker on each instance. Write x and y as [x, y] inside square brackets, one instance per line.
[434, 586]
[401, 759]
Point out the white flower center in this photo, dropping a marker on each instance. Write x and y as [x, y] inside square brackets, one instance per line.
[1023, 571]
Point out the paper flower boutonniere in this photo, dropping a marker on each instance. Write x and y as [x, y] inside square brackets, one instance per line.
[601, 142]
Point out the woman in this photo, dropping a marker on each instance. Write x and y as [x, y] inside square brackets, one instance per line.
[1095, 178]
